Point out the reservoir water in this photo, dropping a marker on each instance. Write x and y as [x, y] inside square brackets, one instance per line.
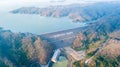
[32, 23]
[35, 23]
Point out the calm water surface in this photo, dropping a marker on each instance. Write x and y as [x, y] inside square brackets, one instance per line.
[32, 23]
[62, 62]
[35, 23]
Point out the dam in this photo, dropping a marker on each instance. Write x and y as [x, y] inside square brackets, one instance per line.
[63, 38]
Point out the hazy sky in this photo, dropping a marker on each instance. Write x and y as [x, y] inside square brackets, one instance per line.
[63, 1]
[22, 1]
[7, 4]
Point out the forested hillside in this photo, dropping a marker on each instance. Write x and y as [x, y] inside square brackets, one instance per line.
[101, 42]
[22, 49]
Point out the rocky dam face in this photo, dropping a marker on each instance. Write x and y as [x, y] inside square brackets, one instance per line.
[62, 39]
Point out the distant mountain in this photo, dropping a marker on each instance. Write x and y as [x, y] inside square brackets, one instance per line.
[22, 49]
[76, 12]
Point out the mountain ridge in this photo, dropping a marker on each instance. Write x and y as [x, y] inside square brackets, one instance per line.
[76, 12]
